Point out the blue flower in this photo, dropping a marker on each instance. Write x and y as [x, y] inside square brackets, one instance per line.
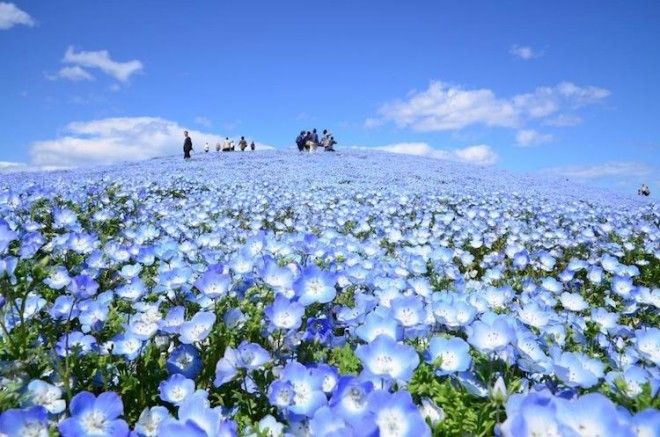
[386, 357]
[648, 344]
[315, 286]
[73, 341]
[32, 421]
[395, 414]
[94, 416]
[449, 355]
[150, 420]
[578, 370]
[198, 328]
[248, 356]
[176, 388]
[350, 399]
[408, 310]
[46, 395]
[492, 336]
[319, 329]
[185, 360]
[307, 385]
[376, 324]
[58, 278]
[213, 283]
[284, 314]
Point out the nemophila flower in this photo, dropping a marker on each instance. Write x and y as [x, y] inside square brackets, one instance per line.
[94, 416]
[350, 400]
[281, 394]
[578, 370]
[532, 414]
[7, 235]
[280, 278]
[630, 381]
[63, 308]
[128, 345]
[315, 286]
[491, 336]
[197, 328]
[32, 421]
[75, 341]
[46, 395]
[648, 344]
[595, 275]
[248, 356]
[83, 286]
[242, 263]
[176, 388]
[609, 263]
[605, 320]
[64, 218]
[307, 387]
[149, 421]
[646, 423]
[81, 242]
[270, 427]
[284, 314]
[185, 360]
[448, 355]
[552, 285]
[396, 415]
[533, 314]
[213, 283]
[173, 320]
[58, 278]
[592, 414]
[622, 286]
[386, 358]
[130, 271]
[92, 314]
[132, 291]
[573, 302]
[454, 313]
[377, 323]
[431, 412]
[234, 318]
[319, 329]
[324, 423]
[408, 310]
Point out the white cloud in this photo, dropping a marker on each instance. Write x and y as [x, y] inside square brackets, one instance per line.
[203, 121]
[445, 107]
[524, 52]
[121, 71]
[11, 15]
[530, 137]
[74, 74]
[597, 171]
[9, 164]
[118, 139]
[479, 154]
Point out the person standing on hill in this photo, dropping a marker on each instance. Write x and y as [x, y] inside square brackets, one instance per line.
[242, 144]
[252, 146]
[300, 141]
[187, 145]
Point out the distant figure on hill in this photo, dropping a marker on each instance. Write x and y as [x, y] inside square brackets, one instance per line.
[206, 147]
[218, 146]
[644, 190]
[328, 141]
[187, 145]
[243, 144]
[252, 146]
[300, 141]
[228, 145]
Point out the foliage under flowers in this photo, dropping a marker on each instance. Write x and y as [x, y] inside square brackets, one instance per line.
[348, 294]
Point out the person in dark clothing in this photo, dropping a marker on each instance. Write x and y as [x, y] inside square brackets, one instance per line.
[187, 145]
[315, 140]
[300, 141]
[644, 190]
[243, 144]
[252, 146]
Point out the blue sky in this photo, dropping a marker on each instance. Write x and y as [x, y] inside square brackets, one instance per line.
[561, 87]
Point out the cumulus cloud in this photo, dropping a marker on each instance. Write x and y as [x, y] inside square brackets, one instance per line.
[122, 71]
[74, 73]
[597, 171]
[478, 154]
[530, 137]
[524, 52]
[446, 107]
[11, 15]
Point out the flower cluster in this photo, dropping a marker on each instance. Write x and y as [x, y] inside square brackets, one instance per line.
[345, 294]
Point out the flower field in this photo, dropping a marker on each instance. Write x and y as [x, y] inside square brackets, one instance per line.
[348, 294]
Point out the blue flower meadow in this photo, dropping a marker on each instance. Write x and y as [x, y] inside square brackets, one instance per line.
[353, 294]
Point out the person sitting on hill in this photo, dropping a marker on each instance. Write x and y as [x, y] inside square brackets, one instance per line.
[243, 144]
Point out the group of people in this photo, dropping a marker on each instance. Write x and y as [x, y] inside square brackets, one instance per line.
[227, 146]
[309, 141]
[644, 190]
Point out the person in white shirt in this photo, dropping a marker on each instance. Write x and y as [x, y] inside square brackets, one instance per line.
[206, 147]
